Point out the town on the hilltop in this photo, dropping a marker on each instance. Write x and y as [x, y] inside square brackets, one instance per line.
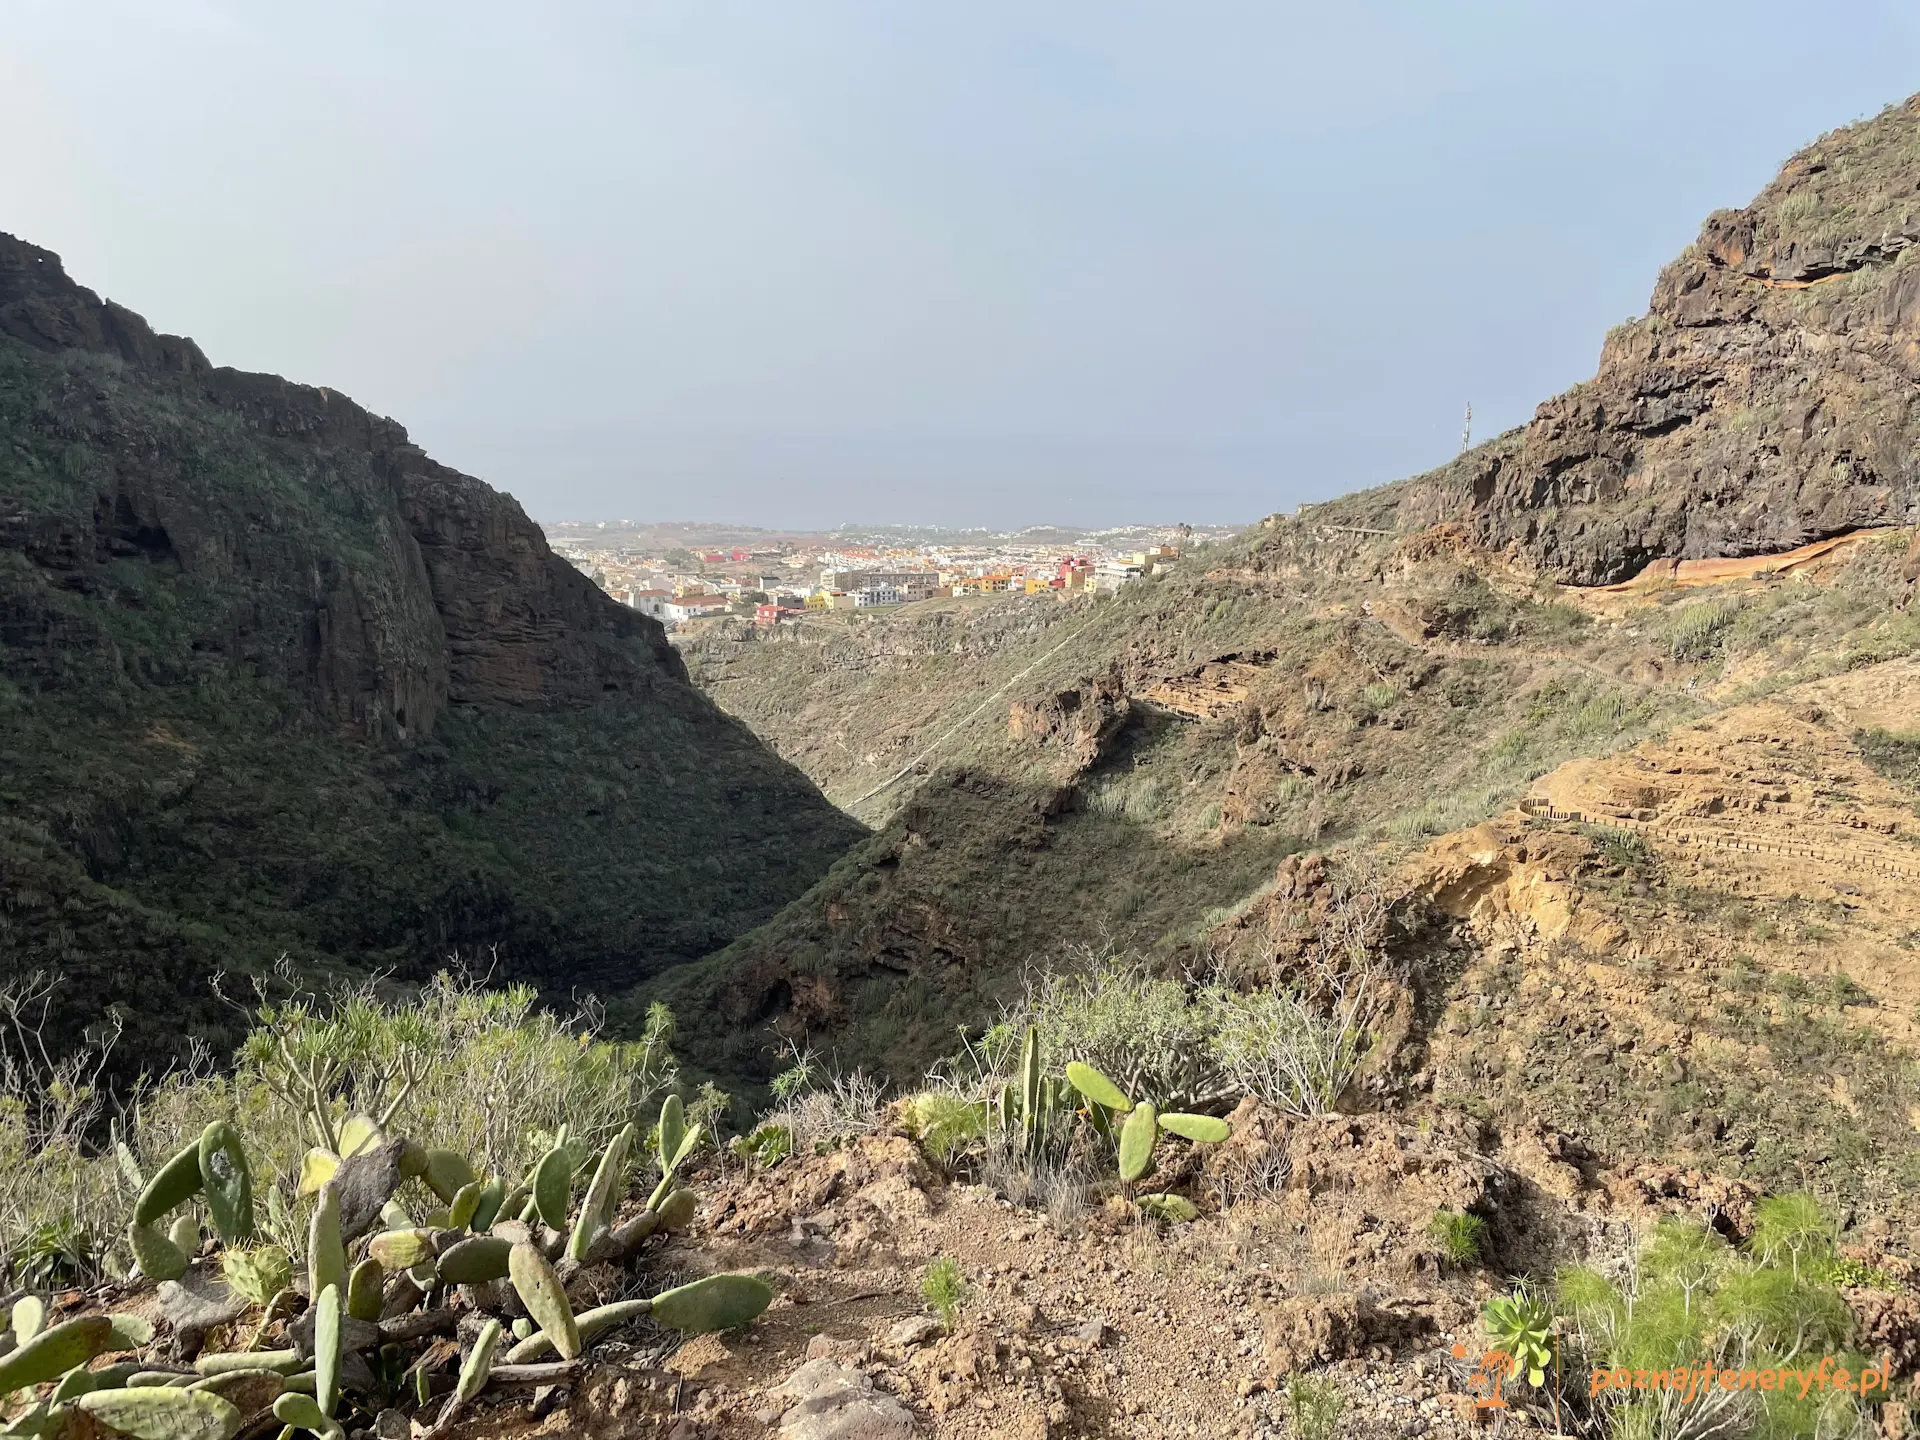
[683, 575]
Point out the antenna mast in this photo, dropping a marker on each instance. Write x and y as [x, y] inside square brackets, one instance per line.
[1466, 434]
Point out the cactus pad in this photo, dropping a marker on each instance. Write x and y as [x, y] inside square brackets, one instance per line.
[1207, 1128]
[541, 1292]
[158, 1257]
[52, 1353]
[677, 1210]
[461, 1208]
[597, 1208]
[553, 1187]
[473, 1373]
[326, 1349]
[28, 1316]
[401, 1249]
[326, 1255]
[475, 1261]
[493, 1196]
[227, 1181]
[719, 1302]
[364, 1289]
[303, 1412]
[173, 1184]
[447, 1173]
[673, 1129]
[1136, 1141]
[161, 1412]
[1096, 1087]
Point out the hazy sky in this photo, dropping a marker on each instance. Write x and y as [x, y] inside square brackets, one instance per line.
[798, 262]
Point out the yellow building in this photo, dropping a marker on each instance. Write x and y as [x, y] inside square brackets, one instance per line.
[820, 600]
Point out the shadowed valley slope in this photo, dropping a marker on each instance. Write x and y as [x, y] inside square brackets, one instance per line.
[272, 681]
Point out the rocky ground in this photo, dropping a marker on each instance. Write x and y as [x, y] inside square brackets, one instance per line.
[1088, 1322]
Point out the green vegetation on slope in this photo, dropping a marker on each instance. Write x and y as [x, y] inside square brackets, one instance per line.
[227, 732]
[1339, 688]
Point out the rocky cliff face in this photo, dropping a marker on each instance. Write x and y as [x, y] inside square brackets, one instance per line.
[464, 603]
[276, 681]
[1766, 399]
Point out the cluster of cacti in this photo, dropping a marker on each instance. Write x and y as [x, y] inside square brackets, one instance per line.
[494, 1256]
[213, 1169]
[1033, 1102]
[1139, 1134]
[1042, 1113]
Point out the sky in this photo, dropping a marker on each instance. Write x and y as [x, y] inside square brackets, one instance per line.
[799, 263]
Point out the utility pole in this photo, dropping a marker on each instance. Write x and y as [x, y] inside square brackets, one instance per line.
[1466, 434]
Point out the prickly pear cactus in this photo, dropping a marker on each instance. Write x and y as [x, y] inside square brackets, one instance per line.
[540, 1290]
[160, 1412]
[1030, 1116]
[1136, 1141]
[172, 1185]
[259, 1273]
[1169, 1207]
[719, 1302]
[227, 1182]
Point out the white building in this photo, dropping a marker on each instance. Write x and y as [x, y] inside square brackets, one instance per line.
[876, 595]
[692, 607]
[924, 581]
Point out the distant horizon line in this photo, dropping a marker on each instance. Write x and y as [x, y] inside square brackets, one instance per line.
[861, 525]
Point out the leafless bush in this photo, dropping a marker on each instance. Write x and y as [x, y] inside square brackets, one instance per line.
[59, 1099]
[1258, 1176]
[1062, 1185]
[824, 1110]
[1296, 1050]
[57, 1197]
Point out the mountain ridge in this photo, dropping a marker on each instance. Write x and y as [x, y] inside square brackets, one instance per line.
[279, 683]
[1765, 400]
[1373, 670]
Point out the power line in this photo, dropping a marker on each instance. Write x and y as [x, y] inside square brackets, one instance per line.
[914, 763]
